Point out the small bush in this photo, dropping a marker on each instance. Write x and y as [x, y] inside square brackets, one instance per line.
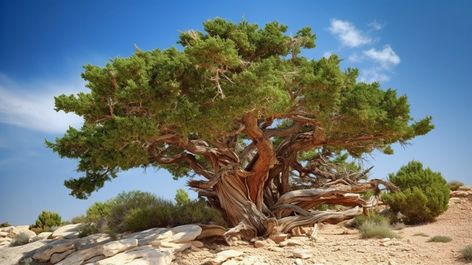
[88, 229]
[47, 220]
[421, 234]
[81, 219]
[440, 239]
[455, 185]
[5, 224]
[20, 239]
[181, 197]
[467, 253]
[424, 194]
[370, 217]
[137, 211]
[371, 229]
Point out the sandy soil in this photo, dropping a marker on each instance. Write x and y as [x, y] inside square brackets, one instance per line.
[339, 245]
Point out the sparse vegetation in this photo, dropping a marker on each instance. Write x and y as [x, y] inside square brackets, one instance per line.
[421, 234]
[79, 219]
[20, 239]
[46, 221]
[88, 229]
[467, 253]
[424, 194]
[181, 197]
[372, 217]
[136, 211]
[455, 185]
[370, 229]
[440, 239]
[6, 224]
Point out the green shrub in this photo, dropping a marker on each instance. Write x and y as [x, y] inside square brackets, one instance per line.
[81, 219]
[136, 211]
[455, 185]
[47, 220]
[467, 253]
[88, 229]
[181, 197]
[370, 217]
[98, 212]
[424, 194]
[6, 224]
[440, 239]
[371, 229]
[421, 234]
[20, 239]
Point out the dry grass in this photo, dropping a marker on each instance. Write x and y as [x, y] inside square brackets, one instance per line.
[440, 239]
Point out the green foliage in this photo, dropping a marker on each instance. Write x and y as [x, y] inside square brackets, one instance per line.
[455, 185]
[371, 217]
[440, 239]
[47, 220]
[98, 211]
[181, 197]
[136, 211]
[202, 91]
[20, 239]
[421, 234]
[424, 194]
[6, 224]
[88, 229]
[370, 229]
[467, 253]
[79, 219]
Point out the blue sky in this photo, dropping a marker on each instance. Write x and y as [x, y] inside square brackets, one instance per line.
[420, 48]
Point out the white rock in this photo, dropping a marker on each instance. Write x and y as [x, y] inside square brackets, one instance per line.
[13, 255]
[227, 254]
[301, 253]
[44, 253]
[279, 237]
[147, 236]
[298, 262]
[67, 231]
[80, 256]
[41, 236]
[56, 257]
[114, 247]
[185, 233]
[174, 247]
[197, 244]
[3, 233]
[139, 255]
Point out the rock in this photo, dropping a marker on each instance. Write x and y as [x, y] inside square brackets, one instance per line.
[91, 241]
[25, 231]
[80, 256]
[13, 255]
[298, 262]
[260, 244]
[95, 259]
[295, 242]
[227, 254]
[147, 236]
[461, 193]
[174, 247]
[56, 257]
[279, 237]
[185, 233]
[43, 235]
[197, 244]
[385, 239]
[114, 247]
[67, 231]
[139, 255]
[44, 253]
[301, 253]
[3, 233]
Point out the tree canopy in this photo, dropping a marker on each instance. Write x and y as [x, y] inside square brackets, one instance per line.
[234, 100]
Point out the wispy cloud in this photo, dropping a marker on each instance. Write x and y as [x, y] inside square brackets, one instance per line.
[348, 34]
[32, 105]
[375, 25]
[373, 74]
[385, 57]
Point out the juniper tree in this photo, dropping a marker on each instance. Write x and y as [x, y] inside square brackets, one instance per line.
[242, 112]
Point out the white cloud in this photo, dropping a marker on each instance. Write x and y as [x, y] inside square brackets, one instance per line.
[375, 25]
[386, 57]
[347, 33]
[373, 75]
[32, 105]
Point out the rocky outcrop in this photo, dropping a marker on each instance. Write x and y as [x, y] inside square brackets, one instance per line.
[67, 231]
[153, 246]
